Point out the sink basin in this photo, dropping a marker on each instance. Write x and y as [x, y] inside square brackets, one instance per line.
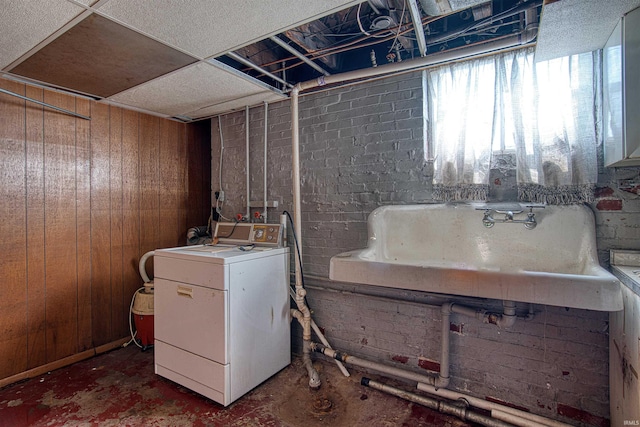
[446, 248]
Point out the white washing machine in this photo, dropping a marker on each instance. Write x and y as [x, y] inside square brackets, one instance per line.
[222, 312]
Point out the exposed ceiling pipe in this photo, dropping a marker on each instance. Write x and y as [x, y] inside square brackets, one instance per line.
[429, 60]
[258, 68]
[416, 17]
[297, 54]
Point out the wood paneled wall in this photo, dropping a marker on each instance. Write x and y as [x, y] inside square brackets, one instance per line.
[80, 202]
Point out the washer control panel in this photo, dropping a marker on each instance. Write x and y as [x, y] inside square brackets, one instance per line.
[266, 233]
[243, 233]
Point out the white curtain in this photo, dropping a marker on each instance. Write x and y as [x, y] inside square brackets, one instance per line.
[542, 113]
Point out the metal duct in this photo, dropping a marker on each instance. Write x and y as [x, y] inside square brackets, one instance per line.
[441, 7]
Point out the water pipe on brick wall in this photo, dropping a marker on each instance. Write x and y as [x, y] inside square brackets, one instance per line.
[264, 177]
[459, 410]
[505, 413]
[300, 292]
[246, 124]
[442, 379]
[437, 384]
[314, 377]
[504, 320]
[502, 43]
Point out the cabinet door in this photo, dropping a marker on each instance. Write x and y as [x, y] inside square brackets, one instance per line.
[631, 62]
[621, 93]
[193, 318]
[612, 90]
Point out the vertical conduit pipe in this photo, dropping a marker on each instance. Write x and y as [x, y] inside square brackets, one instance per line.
[443, 378]
[314, 377]
[248, 214]
[264, 179]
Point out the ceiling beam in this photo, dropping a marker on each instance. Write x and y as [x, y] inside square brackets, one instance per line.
[416, 17]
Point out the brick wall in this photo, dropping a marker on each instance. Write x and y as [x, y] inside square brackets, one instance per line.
[361, 147]
[617, 208]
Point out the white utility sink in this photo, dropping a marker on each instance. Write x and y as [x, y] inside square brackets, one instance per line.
[446, 248]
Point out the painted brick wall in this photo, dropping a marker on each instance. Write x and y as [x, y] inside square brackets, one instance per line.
[361, 147]
[617, 208]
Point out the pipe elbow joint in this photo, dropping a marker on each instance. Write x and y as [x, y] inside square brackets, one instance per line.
[506, 320]
[447, 308]
[314, 380]
[441, 382]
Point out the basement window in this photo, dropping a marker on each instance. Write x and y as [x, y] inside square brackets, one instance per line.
[544, 112]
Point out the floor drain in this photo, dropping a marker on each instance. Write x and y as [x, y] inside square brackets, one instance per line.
[322, 405]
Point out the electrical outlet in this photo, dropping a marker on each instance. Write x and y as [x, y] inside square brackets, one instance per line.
[221, 196]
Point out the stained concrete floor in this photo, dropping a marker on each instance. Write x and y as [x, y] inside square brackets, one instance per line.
[120, 388]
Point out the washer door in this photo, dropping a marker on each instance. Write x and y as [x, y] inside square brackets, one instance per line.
[193, 318]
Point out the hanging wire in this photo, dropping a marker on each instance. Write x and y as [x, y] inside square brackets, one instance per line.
[395, 40]
[359, 22]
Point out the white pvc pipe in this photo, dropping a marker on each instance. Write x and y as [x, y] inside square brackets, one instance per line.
[433, 59]
[247, 150]
[264, 179]
[367, 364]
[295, 155]
[504, 320]
[443, 378]
[324, 341]
[489, 406]
[314, 377]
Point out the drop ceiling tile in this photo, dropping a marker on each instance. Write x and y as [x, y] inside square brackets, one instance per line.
[208, 28]
[190, 89]
[569, 27]
[25, 23]
[100, 57]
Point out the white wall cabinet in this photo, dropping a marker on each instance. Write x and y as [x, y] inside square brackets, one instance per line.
[621, 93]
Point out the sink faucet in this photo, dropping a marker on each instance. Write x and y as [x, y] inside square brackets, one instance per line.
[530, 222]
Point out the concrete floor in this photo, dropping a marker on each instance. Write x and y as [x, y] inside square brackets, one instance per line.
[120, 388]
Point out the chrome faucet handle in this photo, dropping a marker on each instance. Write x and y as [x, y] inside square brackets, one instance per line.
[530, 223]
[487, 219]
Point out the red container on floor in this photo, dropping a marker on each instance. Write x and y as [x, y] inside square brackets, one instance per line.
[143, 316]
[144, 326]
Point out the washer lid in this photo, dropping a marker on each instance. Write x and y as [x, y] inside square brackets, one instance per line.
[220, 254]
